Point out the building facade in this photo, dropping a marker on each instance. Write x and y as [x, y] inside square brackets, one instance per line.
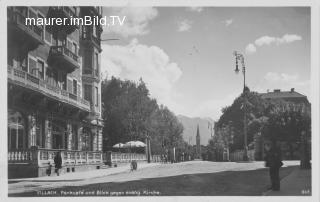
[287, 101]
[54, 92]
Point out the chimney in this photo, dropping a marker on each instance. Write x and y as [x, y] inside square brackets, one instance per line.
[276, 90]
[292, 90]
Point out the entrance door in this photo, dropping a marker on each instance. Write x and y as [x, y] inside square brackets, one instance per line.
[16, 130]
[57, 141]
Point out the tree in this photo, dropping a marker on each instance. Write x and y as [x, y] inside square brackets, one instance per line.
[130, 114]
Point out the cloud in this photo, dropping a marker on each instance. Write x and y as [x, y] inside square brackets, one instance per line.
[151, 63]
[184, 25]
[269, 40]
[280, 77]
[285, 39]
[136, 22]
[227, 22]
[250, 49]
[195, 9]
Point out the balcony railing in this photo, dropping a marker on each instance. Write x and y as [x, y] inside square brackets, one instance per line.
[63, 58]
[31, 81]
[62, 50]
[91, 72]
[42, 156]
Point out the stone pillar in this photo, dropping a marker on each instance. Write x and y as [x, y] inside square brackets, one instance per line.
[100, 143]
[80, 139]
[31, 130]
[48, 133]
[69, 136]
[94, 139]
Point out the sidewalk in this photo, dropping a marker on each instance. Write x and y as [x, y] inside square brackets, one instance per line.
[297, 183]
[83, 178]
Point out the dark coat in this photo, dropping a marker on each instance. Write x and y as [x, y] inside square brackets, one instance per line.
[273, 158]
[58, 161]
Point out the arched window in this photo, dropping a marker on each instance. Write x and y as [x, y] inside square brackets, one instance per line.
[16, 130]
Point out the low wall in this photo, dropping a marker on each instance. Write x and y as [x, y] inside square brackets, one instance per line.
[238, 155]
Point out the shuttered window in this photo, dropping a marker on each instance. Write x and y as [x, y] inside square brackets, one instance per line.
[32, 66]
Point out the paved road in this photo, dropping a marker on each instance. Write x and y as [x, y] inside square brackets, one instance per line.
[145, 172]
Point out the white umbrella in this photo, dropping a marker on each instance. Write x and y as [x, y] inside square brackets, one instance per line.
[119, 145]
[134, 144]
[140, 144]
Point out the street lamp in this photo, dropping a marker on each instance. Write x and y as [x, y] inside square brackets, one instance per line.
[239, 57]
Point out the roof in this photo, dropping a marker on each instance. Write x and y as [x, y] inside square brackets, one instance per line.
[291, 95]
[282, 94]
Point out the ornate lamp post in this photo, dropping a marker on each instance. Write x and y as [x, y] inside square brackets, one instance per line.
[239, 57]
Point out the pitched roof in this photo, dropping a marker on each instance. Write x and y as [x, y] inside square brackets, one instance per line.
[282, 94]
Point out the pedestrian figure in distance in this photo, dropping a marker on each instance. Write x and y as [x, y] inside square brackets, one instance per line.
[134, 165]
[274, 162]
[58, 163]
[49, 169]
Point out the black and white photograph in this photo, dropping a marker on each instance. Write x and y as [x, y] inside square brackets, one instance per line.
[143, 100]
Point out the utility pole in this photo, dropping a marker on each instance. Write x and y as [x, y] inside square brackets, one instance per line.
[239, 57]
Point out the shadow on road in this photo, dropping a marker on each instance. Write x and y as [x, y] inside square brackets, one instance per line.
[227, 183]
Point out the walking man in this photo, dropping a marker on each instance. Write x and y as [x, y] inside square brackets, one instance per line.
[274, 162]
[58, 163]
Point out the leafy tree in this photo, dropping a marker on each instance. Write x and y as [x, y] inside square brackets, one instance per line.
[130, 114]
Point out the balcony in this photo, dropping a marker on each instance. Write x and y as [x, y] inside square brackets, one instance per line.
[91, 74]
[31, 35]
[27, 80]
[87, 38]
[62, 58]
[63, 12]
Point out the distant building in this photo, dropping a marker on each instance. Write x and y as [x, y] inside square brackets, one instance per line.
[290, 96]
[198, 148]
[292, 101]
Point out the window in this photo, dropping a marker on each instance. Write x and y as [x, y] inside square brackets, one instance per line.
[74, 48]
[69, 45]
[40, 65]
[16, 129]
[47, 36]
[62, 78]
[97, 96]
[74, 87]
[87, 92]
[51, 76]
[94, 31]
[32, 66]
[41, 26]
[96, 61]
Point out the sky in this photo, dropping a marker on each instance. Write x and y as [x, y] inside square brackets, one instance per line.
[185, 54]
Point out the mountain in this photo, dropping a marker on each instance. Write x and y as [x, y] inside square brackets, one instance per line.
[190, 129]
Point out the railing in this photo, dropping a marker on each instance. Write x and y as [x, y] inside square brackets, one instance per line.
[27, 79]
[117, 157]
[20, 19]
[21, 156]
[63, 51]
[92, 72]
[42, 156]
